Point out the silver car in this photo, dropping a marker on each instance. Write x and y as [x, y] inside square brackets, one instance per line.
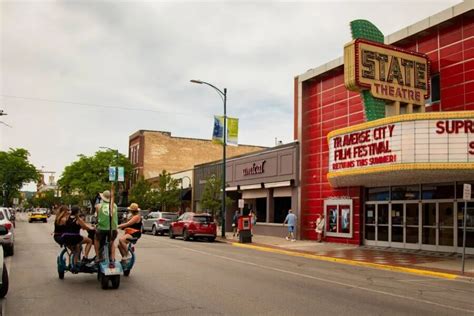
[158, 223]
[7, 236]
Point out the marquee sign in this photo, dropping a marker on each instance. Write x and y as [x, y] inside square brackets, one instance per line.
[411, 139]
[389, 72]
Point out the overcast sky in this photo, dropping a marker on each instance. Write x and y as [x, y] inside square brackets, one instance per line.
[79, 75]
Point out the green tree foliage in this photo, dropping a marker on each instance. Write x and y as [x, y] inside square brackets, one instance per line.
[45, 199]
[166, 195]
[90, 175]
[211, 199]
[15, 171]
[141, 194]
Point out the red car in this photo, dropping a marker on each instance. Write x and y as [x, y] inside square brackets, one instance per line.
[192, 225]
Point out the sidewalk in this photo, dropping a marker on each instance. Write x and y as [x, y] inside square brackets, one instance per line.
[413, 261]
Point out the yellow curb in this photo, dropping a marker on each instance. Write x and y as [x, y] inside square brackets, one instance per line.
[351, 262]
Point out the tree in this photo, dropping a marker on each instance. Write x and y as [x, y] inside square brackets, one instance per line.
[141, 193]
[15, 171]
[46, 199]
[166, 195]
[90, 175]
[211, 199]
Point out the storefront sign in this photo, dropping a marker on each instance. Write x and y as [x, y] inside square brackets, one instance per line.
[256, 168]
[406, 139]
[390, 73]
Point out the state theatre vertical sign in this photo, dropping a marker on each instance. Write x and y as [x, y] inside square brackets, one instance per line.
[390, 73]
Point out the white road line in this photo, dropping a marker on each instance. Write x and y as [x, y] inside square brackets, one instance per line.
[329, 281]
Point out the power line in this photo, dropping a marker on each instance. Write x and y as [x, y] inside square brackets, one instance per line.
[117, 107]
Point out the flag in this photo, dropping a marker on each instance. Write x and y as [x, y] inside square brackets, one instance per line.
[218, 128]
[232, 130]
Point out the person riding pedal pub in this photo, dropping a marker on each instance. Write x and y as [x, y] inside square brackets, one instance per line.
[132, 228]
[103, 225]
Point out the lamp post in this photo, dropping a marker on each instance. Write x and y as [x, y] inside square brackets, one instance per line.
[223, 94]
[181, 193]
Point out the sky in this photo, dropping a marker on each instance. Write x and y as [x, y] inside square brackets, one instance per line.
[75, 76]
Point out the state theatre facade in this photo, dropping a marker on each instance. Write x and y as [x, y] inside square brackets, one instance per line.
[388, 169]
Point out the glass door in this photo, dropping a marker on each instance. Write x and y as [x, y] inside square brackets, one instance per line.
[438, 226]
[412, 225]
[376, 224]
[429, 226]
[446, 226]
[404, 225]
[396, 227]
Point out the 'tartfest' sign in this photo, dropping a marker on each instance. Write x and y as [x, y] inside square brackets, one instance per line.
[390, 73]
[416, 141]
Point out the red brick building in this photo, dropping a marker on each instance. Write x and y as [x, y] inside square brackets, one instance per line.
[417, 219]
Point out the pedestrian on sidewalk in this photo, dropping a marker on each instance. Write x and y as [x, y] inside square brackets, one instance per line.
[320, 225]
[291, 220]
[235, 223]
[253, 219]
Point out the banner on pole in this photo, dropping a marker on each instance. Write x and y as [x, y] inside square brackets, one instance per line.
[121, 174]
[217, 133]
[232, 130]
[112, 174]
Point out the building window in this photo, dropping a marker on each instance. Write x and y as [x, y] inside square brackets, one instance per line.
[406, 193]
[438, 191]
[378, 194]
[435, 90]
[338, 214]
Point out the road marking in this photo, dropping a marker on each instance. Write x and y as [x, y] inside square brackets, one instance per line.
[352, 262]
[330, 281]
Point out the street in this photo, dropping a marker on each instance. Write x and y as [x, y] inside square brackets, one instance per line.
[173, 277]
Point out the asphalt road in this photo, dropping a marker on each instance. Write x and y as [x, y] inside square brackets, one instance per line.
[174, 277]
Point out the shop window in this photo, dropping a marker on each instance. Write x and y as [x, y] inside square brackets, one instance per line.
[406, 193]
[261, 205]
[435, 88]
[338, 218]
[281, 206]
[438, 191]
[378, 194]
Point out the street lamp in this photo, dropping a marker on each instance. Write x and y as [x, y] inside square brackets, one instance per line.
[181, 192]
[224, 138]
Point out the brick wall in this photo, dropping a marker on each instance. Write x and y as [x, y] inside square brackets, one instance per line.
[161, 151]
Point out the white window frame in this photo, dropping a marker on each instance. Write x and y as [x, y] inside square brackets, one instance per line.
[338, 203]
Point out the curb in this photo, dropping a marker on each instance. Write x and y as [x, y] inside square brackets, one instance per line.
[422, 272]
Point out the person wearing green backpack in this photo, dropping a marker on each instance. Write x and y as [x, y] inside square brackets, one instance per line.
[103, 224]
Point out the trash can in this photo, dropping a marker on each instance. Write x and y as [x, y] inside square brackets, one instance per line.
[245, 229]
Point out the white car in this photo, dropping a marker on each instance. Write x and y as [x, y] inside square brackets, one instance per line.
[7, 235]
[3, 272]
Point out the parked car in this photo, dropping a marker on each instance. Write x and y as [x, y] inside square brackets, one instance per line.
[38, 215]
[158, 223]
[193, 225]
[3, 269]
[7, 232]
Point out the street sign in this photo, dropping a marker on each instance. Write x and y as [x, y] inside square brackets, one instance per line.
[112, 174]
[241, 203]
[467, 192]
[121, 174]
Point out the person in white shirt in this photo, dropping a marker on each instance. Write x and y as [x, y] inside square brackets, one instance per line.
[320, 224]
